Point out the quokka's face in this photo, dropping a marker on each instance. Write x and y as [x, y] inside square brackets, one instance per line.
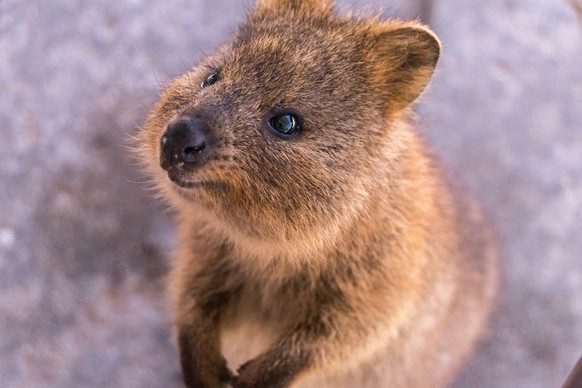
[276, 132]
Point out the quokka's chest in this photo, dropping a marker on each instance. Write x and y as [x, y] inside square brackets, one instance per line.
[253, 321]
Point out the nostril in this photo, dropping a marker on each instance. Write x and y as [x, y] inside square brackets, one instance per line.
[192, 153]
[191, 150]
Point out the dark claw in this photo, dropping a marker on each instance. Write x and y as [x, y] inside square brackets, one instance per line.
[226, 374]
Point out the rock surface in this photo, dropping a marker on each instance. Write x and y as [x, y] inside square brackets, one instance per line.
[505, 111]
[83, 243]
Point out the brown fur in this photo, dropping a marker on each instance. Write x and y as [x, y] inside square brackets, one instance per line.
[340, 257]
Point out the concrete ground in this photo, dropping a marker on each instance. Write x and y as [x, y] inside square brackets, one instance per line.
[83, 244]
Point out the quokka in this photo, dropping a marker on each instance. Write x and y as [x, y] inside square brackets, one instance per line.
[319, 243]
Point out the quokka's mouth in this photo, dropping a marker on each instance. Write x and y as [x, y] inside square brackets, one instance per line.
[177, 179]
[180, 182]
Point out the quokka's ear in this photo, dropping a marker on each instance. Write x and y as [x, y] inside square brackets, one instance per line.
[306, 5]
[402, 59]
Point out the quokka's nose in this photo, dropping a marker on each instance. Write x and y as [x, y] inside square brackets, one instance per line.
[186, 142]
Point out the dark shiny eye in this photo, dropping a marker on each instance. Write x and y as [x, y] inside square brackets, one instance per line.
[286, 123]
[212, 78]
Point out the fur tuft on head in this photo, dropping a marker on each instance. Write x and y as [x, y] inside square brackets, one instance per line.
[322, 6]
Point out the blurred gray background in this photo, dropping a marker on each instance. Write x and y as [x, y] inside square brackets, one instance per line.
[83, 245]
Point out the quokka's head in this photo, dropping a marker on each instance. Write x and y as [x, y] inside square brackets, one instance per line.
[279, 133]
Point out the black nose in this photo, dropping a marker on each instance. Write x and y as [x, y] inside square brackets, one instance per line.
[186, 142]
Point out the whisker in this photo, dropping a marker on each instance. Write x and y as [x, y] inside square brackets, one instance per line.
[139, 100]
[206, 55]
[189, 75]
[155, 70]
[149, 181]
[159, 82]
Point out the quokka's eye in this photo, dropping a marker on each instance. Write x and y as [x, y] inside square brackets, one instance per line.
[212, 78]
[286, 123]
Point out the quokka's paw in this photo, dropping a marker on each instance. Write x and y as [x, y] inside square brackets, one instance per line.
[244, 377]
[249, 376]
[260, 373]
